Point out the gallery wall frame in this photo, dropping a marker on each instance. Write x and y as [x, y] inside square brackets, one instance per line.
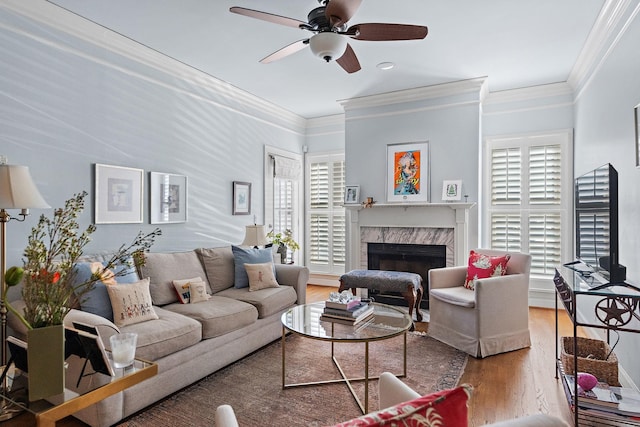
[118, 194]
[241, 198]
[168, 198]
[351, 194]
[408, 172]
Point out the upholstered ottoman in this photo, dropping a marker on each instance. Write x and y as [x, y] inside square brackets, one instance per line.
[407, 284]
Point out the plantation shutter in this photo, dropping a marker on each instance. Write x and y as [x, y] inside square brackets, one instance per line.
[526, 201]
[327, 221]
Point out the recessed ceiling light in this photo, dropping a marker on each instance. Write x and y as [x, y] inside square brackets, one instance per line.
[386, 65]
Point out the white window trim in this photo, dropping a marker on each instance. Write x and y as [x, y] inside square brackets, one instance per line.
[565, 139]
[299, 235]
[309, 158]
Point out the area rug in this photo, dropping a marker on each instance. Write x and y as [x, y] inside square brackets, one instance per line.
[253, 385]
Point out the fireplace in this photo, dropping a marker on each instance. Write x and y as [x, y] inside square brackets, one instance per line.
[412, 258]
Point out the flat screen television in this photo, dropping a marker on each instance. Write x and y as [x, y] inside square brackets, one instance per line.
[596, 219]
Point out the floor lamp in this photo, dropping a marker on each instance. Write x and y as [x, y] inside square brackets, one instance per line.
[17, 191]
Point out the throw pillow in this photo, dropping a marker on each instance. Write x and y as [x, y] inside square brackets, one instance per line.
[182, 288]
[261, 276]
[482, 266]
[96, 300]
[443, 408]
[131, 303]
[242, 256]
[198, 291]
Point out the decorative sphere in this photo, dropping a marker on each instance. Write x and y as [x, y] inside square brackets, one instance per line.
[586, 381]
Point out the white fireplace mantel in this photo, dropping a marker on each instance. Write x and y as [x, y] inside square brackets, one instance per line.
[424, 215]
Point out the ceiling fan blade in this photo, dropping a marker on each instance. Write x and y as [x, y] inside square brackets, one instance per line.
[349, 61]
[338, 12]
[269, 17]
[383, 32]
[286, 51]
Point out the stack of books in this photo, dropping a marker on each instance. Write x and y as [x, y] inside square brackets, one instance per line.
[350, 313]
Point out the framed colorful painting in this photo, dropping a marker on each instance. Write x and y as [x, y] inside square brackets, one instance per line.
[408, 172]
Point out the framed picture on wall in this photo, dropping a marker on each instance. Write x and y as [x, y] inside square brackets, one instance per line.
[351, 194]
[408, 172]
[118, 197]
[451, 190]
[241, 198]
[168, 198]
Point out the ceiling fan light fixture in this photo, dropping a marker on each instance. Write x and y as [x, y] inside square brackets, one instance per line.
[328, 45]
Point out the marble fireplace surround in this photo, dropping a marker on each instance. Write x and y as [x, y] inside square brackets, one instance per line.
[425, 224]
[407, 235]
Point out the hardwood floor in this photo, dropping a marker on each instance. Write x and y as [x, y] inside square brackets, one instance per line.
[512, 384]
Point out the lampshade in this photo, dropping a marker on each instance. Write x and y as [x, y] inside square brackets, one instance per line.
[17, 189]
[254, 235]
[328, 45]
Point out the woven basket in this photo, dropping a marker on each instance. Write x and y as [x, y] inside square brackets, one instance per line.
[591, 359]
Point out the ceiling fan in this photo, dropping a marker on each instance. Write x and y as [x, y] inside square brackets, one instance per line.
[329, 25]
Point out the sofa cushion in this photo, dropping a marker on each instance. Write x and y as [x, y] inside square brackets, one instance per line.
[242, 256]
[218, 315]
[182, 288]
[219, 266]
[458, 295]
[163, 268]
[261, 276]
[442, 408]
[267, 301]
[483, 266]
[170, 333]
[131, 303]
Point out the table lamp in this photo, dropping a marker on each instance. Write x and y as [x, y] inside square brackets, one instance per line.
[254, 236]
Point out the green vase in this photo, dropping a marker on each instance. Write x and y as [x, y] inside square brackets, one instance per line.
[45, 358]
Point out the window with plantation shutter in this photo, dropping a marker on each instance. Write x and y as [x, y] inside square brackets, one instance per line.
[326, 214]
[529, 205]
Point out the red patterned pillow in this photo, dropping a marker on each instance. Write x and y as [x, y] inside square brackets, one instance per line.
[445, 408]
[483, 266]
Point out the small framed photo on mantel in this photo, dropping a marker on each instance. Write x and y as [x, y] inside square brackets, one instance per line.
[351, 194]
[451, 190]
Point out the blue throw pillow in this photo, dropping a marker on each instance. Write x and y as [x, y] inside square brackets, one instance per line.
[242, 256]
[97, 300]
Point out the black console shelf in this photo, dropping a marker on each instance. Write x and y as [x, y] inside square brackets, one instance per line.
[616, 305]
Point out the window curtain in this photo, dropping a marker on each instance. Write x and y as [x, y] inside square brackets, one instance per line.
[285, 168]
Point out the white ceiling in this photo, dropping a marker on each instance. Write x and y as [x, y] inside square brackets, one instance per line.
[515, 43]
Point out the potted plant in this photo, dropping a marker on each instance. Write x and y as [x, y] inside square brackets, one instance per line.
[284, 241]
[48, 287]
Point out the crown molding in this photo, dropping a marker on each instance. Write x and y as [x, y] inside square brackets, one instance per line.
[63, 20]
[598, 42]
[477, 85]
[529, 93]
[335, 120]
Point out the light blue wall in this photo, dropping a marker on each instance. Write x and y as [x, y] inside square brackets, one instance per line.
[66, 104]
[604, 133]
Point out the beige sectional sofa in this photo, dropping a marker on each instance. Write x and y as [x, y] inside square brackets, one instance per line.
[191, 341]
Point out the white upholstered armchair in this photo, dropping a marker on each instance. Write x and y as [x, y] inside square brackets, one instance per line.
[493, 318]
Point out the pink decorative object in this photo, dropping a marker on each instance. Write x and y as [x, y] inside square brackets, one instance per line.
[586, 381]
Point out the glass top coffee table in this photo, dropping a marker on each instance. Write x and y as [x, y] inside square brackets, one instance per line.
[386, 322]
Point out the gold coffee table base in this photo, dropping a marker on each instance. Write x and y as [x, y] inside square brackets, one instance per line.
[363, 408]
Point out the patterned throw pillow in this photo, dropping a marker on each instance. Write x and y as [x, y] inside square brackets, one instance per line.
[261, 276]
[443, 408]
[182, 288]
[483, 266]
[131, 303]
[198, 291]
